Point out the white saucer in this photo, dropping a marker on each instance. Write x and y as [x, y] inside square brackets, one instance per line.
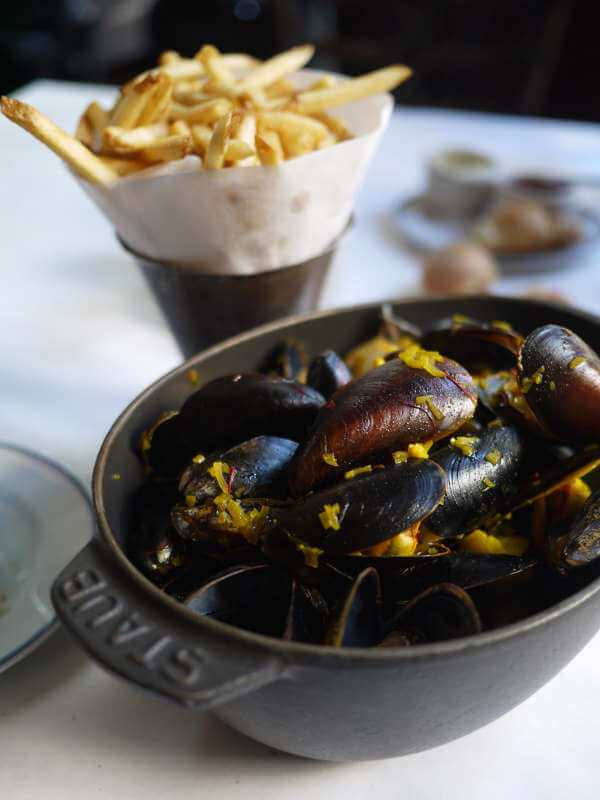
[45, 519]
[424, 233]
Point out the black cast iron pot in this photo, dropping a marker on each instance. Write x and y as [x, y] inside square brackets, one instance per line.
[312, 700]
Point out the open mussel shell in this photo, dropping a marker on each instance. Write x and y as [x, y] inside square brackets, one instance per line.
[357, 620]
[549, 466]
[255, 597]
[327, 373]
[403, 577]
[261, 598]
[582, 541]
[257, 467]
[164, 447]
[386, 409]
[287, 359]
[500, 395]
[475, 344]
[365, 510]
[439, 613]
[307, 615]
[560, 377]
[481, 479]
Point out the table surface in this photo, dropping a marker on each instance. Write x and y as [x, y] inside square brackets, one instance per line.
[83, 336]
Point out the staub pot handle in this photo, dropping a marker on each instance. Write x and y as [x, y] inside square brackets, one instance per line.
[134, 636]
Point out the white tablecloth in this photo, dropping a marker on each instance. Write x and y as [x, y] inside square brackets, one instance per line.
[81, 336]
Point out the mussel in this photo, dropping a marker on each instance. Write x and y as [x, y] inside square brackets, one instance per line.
[476, 345]
[227, 411]
[560, 378]
[327, 373]
[427, 488]
[414, 398]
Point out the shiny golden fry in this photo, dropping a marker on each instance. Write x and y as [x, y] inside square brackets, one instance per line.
[207, 112]
[291, 125]
[212, 61]
[280, 88]
[382, 80]
[123, 165]
[91, 126]
[237, 151]
[269, 148]
[277, 67]
[74, 153]
[157, 105]
[189, 96]
[215, 152]
[240, 61]
[326, 82]
[168, 57]
[336, 125]
[134, 98]
[230, 109]
[184, 69]
[201, 136]
[169, 148]
[181, 127]
[123, 141]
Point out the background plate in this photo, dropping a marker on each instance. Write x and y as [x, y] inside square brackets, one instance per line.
[423, 233]
[45, 519]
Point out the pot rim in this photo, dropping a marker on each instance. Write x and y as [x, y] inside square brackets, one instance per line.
[301, 651]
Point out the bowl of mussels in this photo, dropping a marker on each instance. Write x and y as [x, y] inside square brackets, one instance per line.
[355, 534]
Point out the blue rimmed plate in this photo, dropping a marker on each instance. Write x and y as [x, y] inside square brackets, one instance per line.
[45, 518]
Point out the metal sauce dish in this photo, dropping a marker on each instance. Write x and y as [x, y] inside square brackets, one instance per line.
[311, 700]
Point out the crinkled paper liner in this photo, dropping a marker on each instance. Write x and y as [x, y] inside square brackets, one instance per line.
[243, 220]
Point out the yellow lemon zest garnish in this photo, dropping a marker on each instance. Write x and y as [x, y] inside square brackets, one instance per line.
[464, 443]
[417, 357]
[190, 500]
[352, 473]
[552, 386]
[487, 482]
[576, 362]
[328, 516]
[400, 456]
[494, 457]
[498, 323]
[198, 459]
[249, 523]
[192, 376]
[428, 398]
[329, 458]
[538, 375]
[379, 361]
[310, 554]
[419, 450]
[218, 471]
[495, 423]
[461, 318]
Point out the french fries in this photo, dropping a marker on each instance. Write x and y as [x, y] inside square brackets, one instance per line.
[228, 109]
[73, 152]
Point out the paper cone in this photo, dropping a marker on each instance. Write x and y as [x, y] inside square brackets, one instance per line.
[243, 220]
